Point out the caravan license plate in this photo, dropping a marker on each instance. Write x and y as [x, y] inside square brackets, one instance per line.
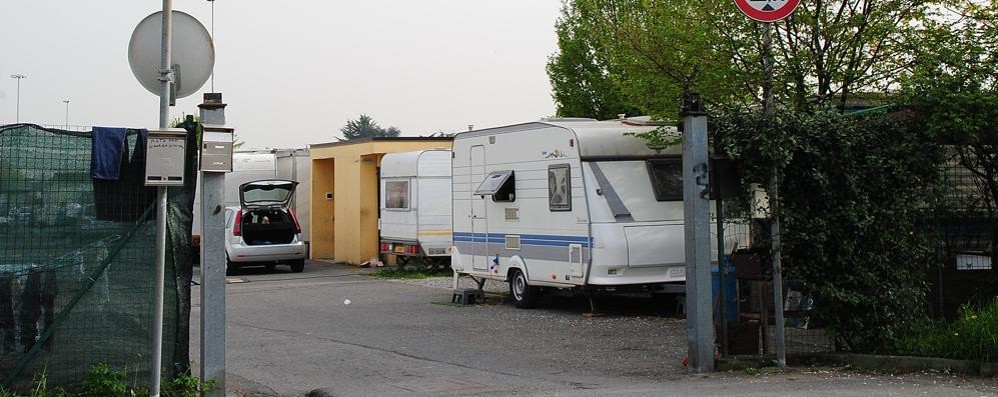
[399, 249]
[677, 272]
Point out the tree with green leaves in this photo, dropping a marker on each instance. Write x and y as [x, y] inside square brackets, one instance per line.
[654, 50]
[953, 88]
[365, 127]
[828, 51]
[580, 74]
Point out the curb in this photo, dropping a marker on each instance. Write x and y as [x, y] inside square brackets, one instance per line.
[901, 363]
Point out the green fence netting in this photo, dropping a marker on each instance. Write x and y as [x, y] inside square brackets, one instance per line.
[77, 261]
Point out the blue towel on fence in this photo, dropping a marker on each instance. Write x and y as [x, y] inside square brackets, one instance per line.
[105, 155]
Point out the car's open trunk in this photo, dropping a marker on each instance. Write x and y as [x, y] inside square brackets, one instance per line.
[266, 227]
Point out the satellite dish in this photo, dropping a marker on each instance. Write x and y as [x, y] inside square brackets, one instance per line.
[192, 53]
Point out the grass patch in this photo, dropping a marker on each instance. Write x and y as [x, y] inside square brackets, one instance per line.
[400, 274]
[973, 336]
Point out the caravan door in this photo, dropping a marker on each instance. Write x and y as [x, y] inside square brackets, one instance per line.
[479, 212]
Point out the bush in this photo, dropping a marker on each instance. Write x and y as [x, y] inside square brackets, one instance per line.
[973, 336]
[104, 381]
[852, 194]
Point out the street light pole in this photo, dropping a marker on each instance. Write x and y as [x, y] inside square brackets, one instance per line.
[18, 76]
[66, 101]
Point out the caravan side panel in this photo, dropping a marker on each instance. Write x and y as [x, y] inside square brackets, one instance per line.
[433, 186]
[551, 245]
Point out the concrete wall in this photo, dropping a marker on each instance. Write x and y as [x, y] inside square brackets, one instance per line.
[346, 228]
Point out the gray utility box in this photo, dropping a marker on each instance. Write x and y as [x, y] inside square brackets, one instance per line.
[165, 150]
[216, 149]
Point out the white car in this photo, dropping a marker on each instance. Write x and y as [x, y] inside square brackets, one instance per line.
[263, 231]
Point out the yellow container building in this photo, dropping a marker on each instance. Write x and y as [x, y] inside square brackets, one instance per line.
[344, 194]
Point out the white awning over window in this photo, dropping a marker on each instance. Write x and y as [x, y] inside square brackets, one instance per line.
[494, 182]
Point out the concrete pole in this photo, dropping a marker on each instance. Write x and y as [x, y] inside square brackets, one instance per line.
[696, 208]
[774, 205]
[158, 278]
[213, 260]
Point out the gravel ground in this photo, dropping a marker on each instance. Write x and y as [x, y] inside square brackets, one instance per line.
[362, 336]
[491, 286]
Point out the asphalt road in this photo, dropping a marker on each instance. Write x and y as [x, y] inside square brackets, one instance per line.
[291, 333]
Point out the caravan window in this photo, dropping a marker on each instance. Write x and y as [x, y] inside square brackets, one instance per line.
[501, 185]
[560, 187]
[666, 178]
[397, 195]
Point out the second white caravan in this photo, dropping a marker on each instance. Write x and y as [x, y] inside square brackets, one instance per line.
[415, 205]
[568, 203]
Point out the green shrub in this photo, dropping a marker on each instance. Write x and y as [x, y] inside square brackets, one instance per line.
[104, 381]
[186, 385]
[852, 194]
[973, 336]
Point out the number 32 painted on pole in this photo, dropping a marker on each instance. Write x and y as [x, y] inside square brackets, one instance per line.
[767, 10]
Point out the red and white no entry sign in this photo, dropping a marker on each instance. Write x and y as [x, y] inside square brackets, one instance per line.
[767, 10]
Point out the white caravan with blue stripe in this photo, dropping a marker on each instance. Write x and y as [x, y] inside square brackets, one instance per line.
[568, 203]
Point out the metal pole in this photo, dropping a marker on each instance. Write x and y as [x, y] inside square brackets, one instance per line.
[66, 101]
[722, 268]
[158, 280]
[17, 114]
[213, 41]
[696, 210]
[774, 205]
[164, 117]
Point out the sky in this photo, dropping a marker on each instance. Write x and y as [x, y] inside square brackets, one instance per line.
[291, 72]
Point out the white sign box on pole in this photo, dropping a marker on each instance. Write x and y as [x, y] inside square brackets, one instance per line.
[165, 149]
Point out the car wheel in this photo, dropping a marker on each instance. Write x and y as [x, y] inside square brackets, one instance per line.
[524, 295]
[298, 266]
[230, 268]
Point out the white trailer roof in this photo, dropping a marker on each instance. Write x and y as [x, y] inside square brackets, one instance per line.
[431, 162]
[599, 140]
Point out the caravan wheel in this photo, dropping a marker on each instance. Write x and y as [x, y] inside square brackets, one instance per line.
[524, 295]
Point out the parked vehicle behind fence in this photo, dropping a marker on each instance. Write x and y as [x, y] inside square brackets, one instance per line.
[263, 230]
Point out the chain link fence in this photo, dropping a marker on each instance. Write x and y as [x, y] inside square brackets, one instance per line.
[76, 261]
[966, 222]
